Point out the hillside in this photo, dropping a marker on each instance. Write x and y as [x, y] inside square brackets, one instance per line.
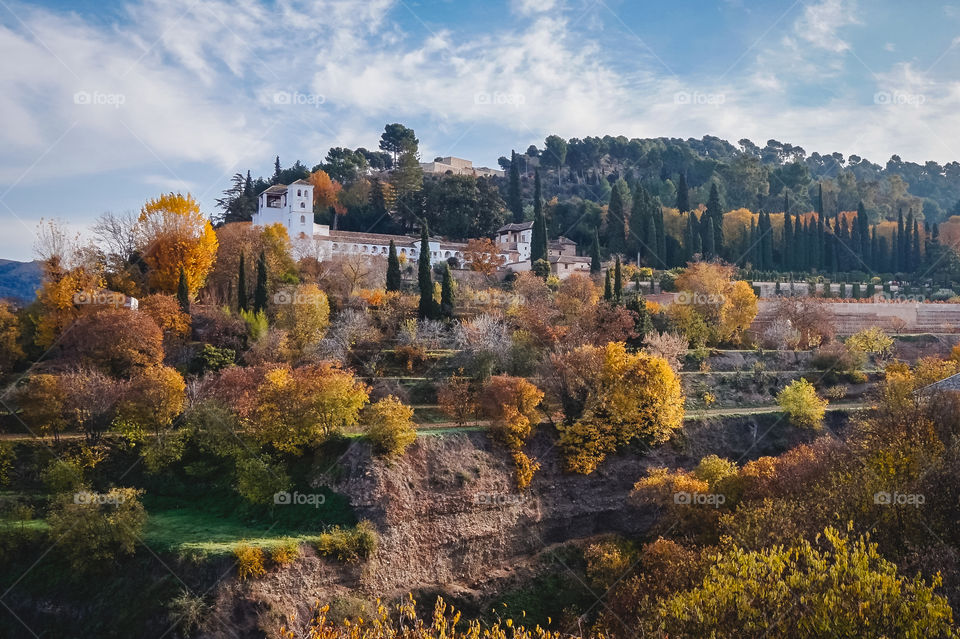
[19, 281]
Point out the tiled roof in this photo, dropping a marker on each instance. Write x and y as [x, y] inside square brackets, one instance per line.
[276, 188]
[302, 181]
[951, 383]
[514, 226]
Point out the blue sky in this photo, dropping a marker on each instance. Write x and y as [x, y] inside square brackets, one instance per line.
[107, 103]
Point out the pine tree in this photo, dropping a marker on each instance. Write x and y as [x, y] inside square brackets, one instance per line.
[446, 293]
[260, 292]
[427, 309]
[394, 276]
[595, 254]
[514, 197]
[183, 292]
[242, 284]
[608, 288]
[683, 194]
[642, 243]
[276, 171]
[617, 282]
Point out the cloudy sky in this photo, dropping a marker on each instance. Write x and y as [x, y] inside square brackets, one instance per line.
[106, 103]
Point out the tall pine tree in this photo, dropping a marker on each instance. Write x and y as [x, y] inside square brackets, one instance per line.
[427, 308]
[683, 194]
[595, 254]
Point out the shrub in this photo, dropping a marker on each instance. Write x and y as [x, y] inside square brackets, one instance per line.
[258, 479]
[249, 561]
[62, 476]
[346, 544]
[390, 426]
[186, 612]
[800, 402]
[211, 358]
[286, 552]
[94, 529]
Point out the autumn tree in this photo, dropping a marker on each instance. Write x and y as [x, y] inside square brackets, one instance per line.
[301, 407]
[172, 235]
[326, 195]
[117, 341]
[458, 399]
[483, 256]
[304, 313]
[512, 404]
[389, 426]
[166, 313]
[611, 397]
[10, 350]
[154, 399]
[41, 400]
[800, 402]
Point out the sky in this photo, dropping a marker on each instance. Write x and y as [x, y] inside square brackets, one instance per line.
[105, 104]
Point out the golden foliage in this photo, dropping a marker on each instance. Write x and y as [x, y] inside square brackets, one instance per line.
[483, 256]
[390, 427]
[173, 234]
[249, 561]
[326, 192]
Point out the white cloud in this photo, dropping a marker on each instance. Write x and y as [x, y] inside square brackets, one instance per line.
[821, 23]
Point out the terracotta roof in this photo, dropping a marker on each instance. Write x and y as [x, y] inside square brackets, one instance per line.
[569, 259]
[372, 238]
[276, 188]
[302, 181]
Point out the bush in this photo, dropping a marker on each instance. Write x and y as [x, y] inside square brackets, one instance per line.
[62, 476]
[800, 402]
[94, 529]
[390, 426]
[348, 545]
[286, 552]
[186, 612]
[249, 561]
[211, 358]
[258, 479]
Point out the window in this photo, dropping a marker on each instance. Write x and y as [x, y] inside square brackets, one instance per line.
[303, 205]
[298, 193]
[303, 219]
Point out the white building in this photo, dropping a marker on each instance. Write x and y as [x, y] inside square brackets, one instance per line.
[292, 207]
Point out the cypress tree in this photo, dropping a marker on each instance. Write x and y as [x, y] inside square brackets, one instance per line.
[242, 284]
[788, 243]
[616, 218]
[427, 308]
[641, 243]
[617, 282]
[752, 246]
[538, 249]
[394, 276]
[514, 197]
[864, 234]
[642, 324]
[260, 292]
[898, 243]
[715, 214]
[276, 170]
[607, 288]
[183, 292]
[709, 239]
[915, 253]
[820, 200]
[766, 239]
[651, 232]
[656, 210]
[446, 294]
[799, 251]
[908, 244]
[683, 194]
[595, 254]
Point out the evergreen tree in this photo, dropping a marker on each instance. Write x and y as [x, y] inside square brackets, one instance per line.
[651, 232]
[595, 254]
[683, 194]
[276, 171]
[709, 238]
[608, 288]
[446, 293]
[715, 214]
[183, 292]
[751, 254]
[260, 292]
[427, 309]
[786, 201]
[900, 252]
[908, 244]
[788, 243]
[242, 284]
[915, 253]
[799, 251]
[617, 282]
[394, 276]
[657, 211]
[641, 242]
[514, 197]
[642, 323]
[539, 249]
[766, 242]
[820, 200]
[863, 225]
[617, 217]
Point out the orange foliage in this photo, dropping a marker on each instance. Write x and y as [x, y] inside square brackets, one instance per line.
[326, 192]
[173, 234]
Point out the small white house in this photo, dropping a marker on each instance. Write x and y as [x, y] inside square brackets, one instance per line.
[291, 206]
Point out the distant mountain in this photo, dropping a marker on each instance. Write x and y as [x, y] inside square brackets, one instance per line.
[19, 281]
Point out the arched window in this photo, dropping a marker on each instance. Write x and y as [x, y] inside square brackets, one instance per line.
[298, 193]
[303, 219]
[303, 205]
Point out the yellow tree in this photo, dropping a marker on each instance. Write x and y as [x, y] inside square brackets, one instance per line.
[738, 312]
[304, 313]
[621, 397]
[390, 427]
[173, 234]
[10, 349]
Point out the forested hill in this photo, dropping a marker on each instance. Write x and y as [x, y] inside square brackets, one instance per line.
[748, 175]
